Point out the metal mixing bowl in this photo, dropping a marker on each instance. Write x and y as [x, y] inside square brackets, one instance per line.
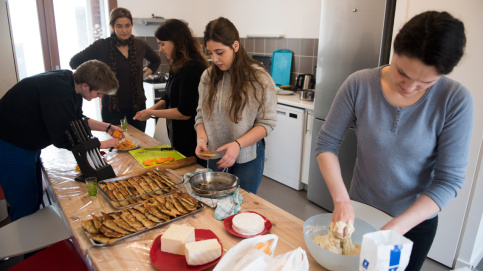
[214, 184]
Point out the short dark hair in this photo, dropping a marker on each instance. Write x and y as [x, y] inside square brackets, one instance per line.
[436, 38]
[97, 75]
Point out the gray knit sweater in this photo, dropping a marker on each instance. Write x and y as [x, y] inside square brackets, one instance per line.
[402, 152]
[220, 129]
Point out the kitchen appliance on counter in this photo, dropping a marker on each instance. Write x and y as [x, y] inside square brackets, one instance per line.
[307, 94]
[354, 35]
[305, 81]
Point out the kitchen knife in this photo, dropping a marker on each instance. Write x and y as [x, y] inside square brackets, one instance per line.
[100, 156]
[79, 131]
[84, 125]
[159, 149]
[74, 131]
[82, 129]
[90, 153]
[70, 138]
[87, 127]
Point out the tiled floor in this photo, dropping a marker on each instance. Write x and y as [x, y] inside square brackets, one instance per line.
[296, 203]
[292, 201]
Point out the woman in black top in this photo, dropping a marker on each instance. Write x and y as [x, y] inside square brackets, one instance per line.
[125, 55]
[187, 63]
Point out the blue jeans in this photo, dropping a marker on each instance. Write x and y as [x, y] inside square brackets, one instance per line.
[21, 179]
[249, 173]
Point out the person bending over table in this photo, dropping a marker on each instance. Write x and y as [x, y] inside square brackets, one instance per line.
[34, 114]
[413, 127]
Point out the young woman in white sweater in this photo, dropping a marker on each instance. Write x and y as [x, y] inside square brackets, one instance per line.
[237, 106]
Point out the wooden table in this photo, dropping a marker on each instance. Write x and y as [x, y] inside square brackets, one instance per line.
[133, 253]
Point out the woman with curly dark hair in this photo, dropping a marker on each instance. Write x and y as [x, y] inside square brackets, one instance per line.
[125, 55]
[187, 62]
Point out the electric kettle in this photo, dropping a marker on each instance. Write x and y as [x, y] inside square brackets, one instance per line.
[305, 81]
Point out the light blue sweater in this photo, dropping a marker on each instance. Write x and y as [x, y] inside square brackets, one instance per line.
[402, 152]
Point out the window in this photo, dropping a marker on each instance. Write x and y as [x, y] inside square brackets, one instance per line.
[42, 45]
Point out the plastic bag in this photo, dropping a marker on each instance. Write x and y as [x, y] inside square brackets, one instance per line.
[295, 260]
[244, 257]
[384, 250]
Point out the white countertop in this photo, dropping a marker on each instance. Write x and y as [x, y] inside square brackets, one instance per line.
[291, 100]
[294, 100]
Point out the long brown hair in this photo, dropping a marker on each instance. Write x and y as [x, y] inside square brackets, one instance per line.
[186, 47]
[115, 42]
[244, 75]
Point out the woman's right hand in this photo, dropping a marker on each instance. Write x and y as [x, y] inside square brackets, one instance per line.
[143, 115]
[343, 211]
[201, 147]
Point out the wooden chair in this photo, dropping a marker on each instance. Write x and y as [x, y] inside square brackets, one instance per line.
[58, 257]
[33, 232]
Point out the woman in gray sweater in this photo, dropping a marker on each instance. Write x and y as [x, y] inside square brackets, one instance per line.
[413, 128]
[237, 106]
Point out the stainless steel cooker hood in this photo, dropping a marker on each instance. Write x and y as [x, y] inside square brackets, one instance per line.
[154, 20]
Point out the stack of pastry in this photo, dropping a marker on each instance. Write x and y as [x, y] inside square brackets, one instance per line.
[128, 191]
[109, 227]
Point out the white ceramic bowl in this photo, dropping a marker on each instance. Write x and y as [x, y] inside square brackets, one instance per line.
[319, 225]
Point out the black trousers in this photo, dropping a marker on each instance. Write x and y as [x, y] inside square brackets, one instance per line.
[114, 117]
[422, 236]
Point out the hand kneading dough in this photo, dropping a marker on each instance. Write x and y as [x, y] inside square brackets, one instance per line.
[335, 242]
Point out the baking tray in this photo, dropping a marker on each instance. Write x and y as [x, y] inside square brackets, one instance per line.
[137, 199]
[158, 225]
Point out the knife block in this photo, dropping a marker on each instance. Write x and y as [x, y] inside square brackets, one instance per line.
[81, 152]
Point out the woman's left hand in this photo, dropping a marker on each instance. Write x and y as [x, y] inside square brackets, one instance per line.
[232, 150]
[142, 115]
[147, 71]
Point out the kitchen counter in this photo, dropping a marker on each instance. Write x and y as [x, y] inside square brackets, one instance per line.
[294, 100]
[133, 253]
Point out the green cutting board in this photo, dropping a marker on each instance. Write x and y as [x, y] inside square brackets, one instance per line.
[148, 153]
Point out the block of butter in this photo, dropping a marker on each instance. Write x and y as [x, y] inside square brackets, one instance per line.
[174, 239]
[202, 252]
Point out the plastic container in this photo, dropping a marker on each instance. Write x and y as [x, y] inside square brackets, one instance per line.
[319, 225]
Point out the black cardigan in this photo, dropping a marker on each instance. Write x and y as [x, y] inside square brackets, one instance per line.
[100, 50]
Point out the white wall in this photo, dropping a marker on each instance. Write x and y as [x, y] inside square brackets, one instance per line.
[294, 19]
[468, 72]
[8, 74]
